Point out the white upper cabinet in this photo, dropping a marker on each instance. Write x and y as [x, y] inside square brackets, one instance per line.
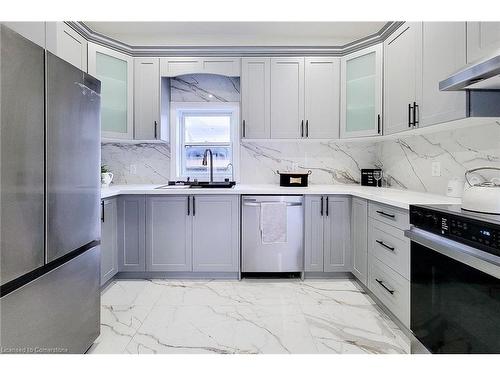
[67, 44]
[176, 66]
[444, 52]
[255, 97]
[402, 77]
[322, 97]
[147, 98]
[115, 71]
[361, 93]
[483, 40]
[287, 97]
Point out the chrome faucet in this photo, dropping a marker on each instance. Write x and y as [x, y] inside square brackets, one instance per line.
[204, 162]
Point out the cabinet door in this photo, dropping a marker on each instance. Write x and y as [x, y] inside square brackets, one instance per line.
[146, 98]
[443, 54]
[483, 40]
[115, 71]
[359, 239]
[67, 44]
[168, 233]
[256, 97]
[287, 97]
[337, 250]
[402, 75]
[361, 93]
[109, 240]
[314, 213]
[216, 233]
[176, 66]
[224, 66]
[322, 97]
[131, 233]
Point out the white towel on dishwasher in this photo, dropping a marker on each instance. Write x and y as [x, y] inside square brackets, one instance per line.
[273, 222]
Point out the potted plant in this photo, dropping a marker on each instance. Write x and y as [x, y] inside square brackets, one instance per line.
[106, 176]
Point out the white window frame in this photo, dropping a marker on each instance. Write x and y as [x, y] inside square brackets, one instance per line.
[177, 110]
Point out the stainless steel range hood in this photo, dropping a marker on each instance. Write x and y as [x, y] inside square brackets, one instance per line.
[480, 75]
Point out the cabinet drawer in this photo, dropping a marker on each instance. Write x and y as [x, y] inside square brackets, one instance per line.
[396, 217]
[390, 246]
[391, 289]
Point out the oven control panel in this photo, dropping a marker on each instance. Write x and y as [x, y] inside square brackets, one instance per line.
[476, 233]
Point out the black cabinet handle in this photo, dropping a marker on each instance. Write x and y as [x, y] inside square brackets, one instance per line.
[102, 211]
[307, 128]
[415, 114]
[386, 214]
[244, 129]
[409, 115]
[327, 206]
[378, 124]
[302, 129]
[194, 206]
[188, 206]
[156, 130]
[383, 286]
[321, 209]
[381, 243]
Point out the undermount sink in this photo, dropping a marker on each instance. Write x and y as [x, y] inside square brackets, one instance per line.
[199, 184]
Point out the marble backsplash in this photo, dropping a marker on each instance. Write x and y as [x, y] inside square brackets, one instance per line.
[204, 88]
[406, 161]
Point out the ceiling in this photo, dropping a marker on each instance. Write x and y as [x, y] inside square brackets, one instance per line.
[236, 33]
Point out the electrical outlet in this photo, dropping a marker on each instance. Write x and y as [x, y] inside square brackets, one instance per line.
[133, 169]
[436, 169]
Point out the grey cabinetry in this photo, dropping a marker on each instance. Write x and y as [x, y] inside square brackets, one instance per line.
[483, 40]
[359, 238]
[327, 236]
[168, 234]
[131, 233]
[146, 98]
[402, 74]
[215, 233]
[109, 240]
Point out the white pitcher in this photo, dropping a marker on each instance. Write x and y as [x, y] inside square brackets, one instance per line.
[106, 179]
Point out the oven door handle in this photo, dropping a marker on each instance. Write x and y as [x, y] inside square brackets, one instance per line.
[470, 256]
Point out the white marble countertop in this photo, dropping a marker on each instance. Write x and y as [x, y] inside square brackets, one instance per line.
[393, 197]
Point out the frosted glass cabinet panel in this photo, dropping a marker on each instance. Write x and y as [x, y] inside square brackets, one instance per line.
[115, 71]
[361, 93]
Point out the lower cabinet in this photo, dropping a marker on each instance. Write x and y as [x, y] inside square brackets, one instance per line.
[131, 233]
[359, 239]
[327, 234]
[192, 233]
[109, 240]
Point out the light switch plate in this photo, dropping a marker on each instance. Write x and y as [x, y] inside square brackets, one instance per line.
[436, 168]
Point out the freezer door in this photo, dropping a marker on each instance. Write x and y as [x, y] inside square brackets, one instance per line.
[21, 155]
[56, 313]
[73, 158]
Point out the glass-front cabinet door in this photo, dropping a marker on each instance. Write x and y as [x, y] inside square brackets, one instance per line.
[361, 93]
[115, 71]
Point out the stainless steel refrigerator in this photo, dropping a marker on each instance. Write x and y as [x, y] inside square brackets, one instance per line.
[50, 195]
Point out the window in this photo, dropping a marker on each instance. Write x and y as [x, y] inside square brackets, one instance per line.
[202, 126]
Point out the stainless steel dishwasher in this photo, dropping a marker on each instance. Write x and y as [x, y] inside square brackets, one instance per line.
[272, 257]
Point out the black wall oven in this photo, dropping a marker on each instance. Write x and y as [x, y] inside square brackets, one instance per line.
[455, 287]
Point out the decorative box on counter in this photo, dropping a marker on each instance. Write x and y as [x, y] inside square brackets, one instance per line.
[298, 179]
[368, 177]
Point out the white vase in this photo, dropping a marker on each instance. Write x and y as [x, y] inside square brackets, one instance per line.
[106, 179]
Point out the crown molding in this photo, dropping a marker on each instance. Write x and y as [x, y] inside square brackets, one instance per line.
[240, 51]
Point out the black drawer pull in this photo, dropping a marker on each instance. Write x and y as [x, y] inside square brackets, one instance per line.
[326, 206]
[383, 286]
[386, 214]
[188, 206]
[321, 209]
[381, 243]
[102, 211]
[156, 130]
[194, 206]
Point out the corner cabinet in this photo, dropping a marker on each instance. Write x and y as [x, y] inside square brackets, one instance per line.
[109, 239]
[256, 97]
[147, 98]
[115, 71]
[359, 239]
[327, 234]
[361, 93]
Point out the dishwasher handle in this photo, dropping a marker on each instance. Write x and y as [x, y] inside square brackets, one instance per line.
[257, 204]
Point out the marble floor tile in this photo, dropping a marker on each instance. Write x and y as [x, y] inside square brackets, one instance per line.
[249, 316]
